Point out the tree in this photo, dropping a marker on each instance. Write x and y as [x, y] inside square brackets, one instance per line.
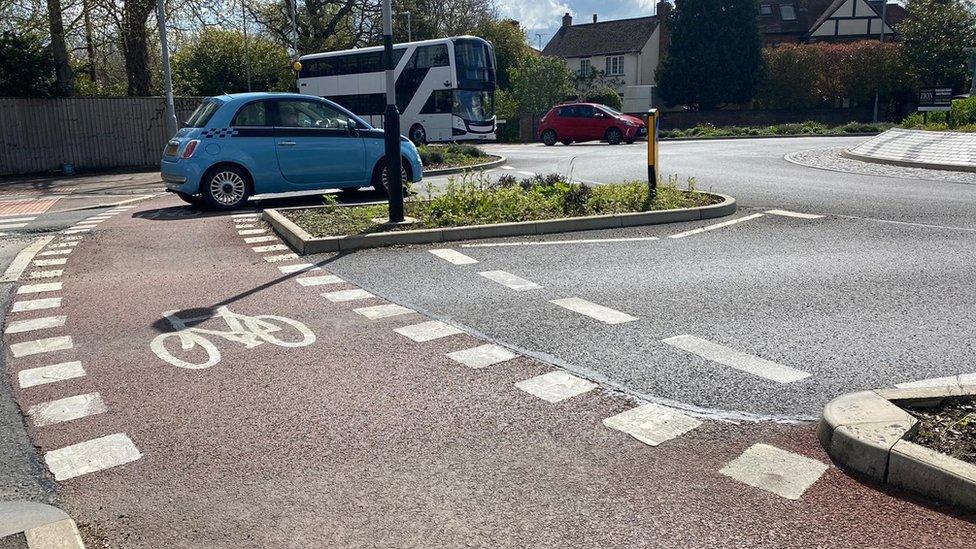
[539, 83]
[715, 55]
[934, 37]
[508, 40]
[213, 65]
[322, 24]
[131, 19]
[26, 67]
[64, 76]
[593, 84]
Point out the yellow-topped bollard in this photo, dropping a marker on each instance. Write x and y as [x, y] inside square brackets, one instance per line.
[653, 121]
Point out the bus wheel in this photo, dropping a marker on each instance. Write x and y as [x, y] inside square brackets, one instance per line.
[418, 135]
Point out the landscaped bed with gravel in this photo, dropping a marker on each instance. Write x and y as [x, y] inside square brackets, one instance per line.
[436, 157]
[949, 428]
[477, 201]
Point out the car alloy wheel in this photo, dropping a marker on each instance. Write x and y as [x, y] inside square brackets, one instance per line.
[403, 178]
[614, 136]
[549, 138]
[227, 188]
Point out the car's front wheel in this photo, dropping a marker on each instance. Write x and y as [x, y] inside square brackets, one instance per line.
[549, 137]
[225, 188]
[614, 136]
[382, 183]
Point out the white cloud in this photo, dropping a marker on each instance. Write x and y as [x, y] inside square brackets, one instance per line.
[534, 14]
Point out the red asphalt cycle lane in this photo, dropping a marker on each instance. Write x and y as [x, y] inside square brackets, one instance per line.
[364, 438]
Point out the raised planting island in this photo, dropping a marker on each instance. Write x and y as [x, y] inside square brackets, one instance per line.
[444, 159]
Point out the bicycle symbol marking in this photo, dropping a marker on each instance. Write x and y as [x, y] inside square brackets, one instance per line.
[248, 330]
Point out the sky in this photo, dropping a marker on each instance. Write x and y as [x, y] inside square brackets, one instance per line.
[545, 16]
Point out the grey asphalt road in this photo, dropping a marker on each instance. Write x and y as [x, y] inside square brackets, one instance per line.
[878, 291]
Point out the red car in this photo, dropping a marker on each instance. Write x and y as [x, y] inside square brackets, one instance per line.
[589, 122]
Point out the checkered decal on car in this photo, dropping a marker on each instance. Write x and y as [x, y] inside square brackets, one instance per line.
[219, 133]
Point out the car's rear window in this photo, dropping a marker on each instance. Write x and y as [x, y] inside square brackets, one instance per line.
[204, 112]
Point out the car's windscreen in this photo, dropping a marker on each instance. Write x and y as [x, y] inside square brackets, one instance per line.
[204, 112]
[612, 111]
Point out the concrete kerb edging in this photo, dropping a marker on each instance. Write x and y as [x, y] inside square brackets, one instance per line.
[474, 168]
[865, 433]
[304, 243]
[846, 153]
[43, 526]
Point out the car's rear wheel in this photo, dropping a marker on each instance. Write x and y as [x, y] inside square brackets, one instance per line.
[418, 134]
[614, 136]
[225, 188]
[549, 137]
[381, 182]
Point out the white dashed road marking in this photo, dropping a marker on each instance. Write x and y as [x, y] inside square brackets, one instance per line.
[49, 374]
[280, 257]
[67, 409]
[18, 326]
[652, 424]
[347, 295]
[245, 215]
[91, 456]
[427, 331]
[482, 356]
[17, 219]
[76, 231]
[251, 231]
[716, 226]
[69, 239]
[769, 468]
[319, 280]
[554, 242]
[453, 256]
[592, 310]
[54, 273]
[383, 311]
[507, 168]
[508, 279]
[555, 386]
[736, 359]
[62, 251]
[39, 346]
[270, 248]
[37, 288]
[49, 262]
[298, 268]
[36, 304]
[787, 213]
[64, 244]
[256, 239]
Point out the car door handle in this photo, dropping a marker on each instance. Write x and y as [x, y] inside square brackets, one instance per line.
[286, 143]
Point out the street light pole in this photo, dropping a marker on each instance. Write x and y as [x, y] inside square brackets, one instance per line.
[409, 29]
[877, 91]
[167, 75]
[391, 123]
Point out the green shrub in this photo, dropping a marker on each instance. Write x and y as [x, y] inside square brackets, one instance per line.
[964, 111]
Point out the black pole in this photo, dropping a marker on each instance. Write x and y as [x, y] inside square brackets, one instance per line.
[391, 123]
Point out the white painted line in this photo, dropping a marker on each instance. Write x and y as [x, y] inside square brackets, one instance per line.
[70, 238]
[482, 356]
[298, 268]
[12, 225]
[54, 273]
[248, 226]
[555, 242]
[270, 248]
[383, 311]
[787, 213]
[67, 409]
[37, 288]
[319, 280]
[118, 205]
[75, 231]
[36, 304]
[427, 331]
[91, 456]
[716, 226]
[592, 310]
[49, 262]
[507, 168]
[50, 374]
[243, 215]
[652, 423]
[64, 244]
[256, 239]
[243, 232]
[347, 295]
[39, 346]
[280, 257]
[23, 259]
[83, 225]
[745, 362]
[774, 470]
[99, 218]
[3, 234]
[93, 221]
[60, 251]
[17, 219]
[41, 323]
[556, 386]
[516, 283]
[453, 256]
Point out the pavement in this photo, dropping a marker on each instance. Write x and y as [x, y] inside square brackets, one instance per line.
[224, 394]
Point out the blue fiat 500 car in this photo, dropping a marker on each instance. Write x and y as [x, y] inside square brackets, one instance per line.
[238, 145]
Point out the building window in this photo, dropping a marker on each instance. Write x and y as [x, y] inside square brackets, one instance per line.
[615, 65]
[786, 12]
[585, 67]
[765, 9]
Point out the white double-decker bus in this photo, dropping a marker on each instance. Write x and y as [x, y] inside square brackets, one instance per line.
[445, 88]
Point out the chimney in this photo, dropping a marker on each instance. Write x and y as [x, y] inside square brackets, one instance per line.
[567, 20]
[664, 28]
[594, 18]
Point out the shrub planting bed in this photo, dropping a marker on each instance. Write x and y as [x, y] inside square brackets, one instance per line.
[804, 128]
[436, 157]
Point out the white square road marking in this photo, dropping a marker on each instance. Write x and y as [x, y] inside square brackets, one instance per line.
[36, 304]
[319, 280]
[53, 273]
[652, 424]
[482, 356]
[736, 359]
[787, 213]
[347, 295]
[592, 310]
[50, 262]
[67, 409]
[256, 239]
[298, 268]
[270, 248]
[427, 331]
[19, 326]
[39, 346]
[75, 231]
[769, 468]
[245, 215]
[91, 456]
[50, 374]
[280, 257]
[453, 256]
[516, 283]
[37, 288]
[251, 231]
[64, 251]
[555, 386]
[377, 312]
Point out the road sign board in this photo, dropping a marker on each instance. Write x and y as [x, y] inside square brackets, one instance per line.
[935, 99]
